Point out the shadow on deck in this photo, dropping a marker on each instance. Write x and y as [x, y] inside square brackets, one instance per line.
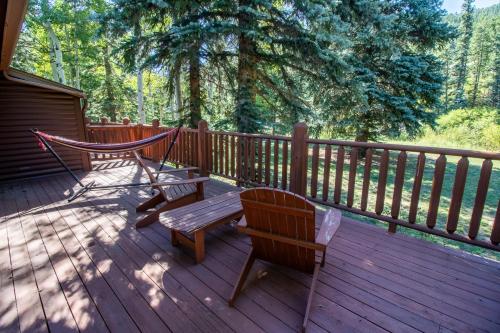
[83, 266]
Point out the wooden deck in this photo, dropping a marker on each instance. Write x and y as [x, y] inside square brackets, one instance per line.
[84, 267]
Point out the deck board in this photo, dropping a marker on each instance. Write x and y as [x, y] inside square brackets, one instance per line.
[83, 266]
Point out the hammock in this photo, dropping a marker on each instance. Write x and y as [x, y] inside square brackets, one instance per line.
[100, 147]
[44, 138]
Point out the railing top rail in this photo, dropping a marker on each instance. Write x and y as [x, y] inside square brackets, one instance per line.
[100, 126]
[411, 148]
[249, 135]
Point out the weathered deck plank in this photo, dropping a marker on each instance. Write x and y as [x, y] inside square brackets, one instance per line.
[83, 266]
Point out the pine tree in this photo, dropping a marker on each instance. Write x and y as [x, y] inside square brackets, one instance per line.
[466, 30]
[395, 82]
[495, 86]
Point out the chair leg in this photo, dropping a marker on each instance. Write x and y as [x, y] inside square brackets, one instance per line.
[311, 294]
[243, 276]
[323, 259]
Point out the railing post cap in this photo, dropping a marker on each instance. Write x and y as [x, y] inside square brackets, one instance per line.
[156, 123]
[104, 120]
[126, 121]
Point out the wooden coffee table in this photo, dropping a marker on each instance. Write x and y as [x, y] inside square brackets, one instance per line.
[189, 223]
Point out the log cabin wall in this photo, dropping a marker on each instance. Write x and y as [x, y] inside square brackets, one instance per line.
[41, 104]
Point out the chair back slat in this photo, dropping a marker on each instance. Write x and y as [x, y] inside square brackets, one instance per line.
[280, 213]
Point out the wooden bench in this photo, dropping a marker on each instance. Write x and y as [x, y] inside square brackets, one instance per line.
[189, 223]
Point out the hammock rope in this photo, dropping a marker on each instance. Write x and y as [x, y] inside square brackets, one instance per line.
[101, 147]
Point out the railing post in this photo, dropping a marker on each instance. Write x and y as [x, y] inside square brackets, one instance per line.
[155, 149]
[202, 148]
[139, 134]
[104, 121]
[125, 121]
[298, 167]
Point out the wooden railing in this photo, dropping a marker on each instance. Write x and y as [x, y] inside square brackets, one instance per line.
[421, 188]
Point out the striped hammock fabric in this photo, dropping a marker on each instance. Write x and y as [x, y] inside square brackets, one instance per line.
[101, 147]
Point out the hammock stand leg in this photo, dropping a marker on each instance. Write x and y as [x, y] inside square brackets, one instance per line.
[170, 146]
[169, 149]
[84, 188]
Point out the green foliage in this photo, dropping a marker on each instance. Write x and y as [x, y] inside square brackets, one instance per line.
[475, 128]
[354, 69]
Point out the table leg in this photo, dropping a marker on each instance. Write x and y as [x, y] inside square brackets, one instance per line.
[199, 245]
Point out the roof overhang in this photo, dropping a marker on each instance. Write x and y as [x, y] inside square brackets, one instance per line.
[11, 19]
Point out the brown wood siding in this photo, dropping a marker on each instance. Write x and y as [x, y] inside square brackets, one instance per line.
[23, 107]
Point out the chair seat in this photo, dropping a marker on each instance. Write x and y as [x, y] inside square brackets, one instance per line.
[177, 191]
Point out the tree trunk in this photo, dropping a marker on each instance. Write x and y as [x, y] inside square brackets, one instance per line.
[495, 85]
[246, 112]
[76, 76]
[194, 87]
[140, 85]
[56, 57]
[178, 91]
[110, 104]
[461, 72]
[477, 74]
[140, 98]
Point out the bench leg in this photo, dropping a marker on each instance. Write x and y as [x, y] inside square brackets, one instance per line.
[173, 238]
[199, 245]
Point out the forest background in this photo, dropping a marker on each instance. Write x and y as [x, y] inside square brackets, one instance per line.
[399, 70]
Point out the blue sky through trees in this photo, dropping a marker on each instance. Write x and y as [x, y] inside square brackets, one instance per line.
[454, 6]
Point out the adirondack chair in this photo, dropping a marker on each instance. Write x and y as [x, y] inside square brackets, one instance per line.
[171, 194]
[282, 229]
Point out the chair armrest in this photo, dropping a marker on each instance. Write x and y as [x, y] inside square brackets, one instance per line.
[176, 170]
[182, 181]
[329, 226]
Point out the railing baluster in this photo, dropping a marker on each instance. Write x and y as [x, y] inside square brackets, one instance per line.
[353, 165]
[252, 159]
[226, 154]
[417, 185]
[233, 157]
[210, 152]
[326, 171]
[268, 162]
[398, 184]
[239, 159]
[339, 170]
[366, 178]
[482, 191]
[495, 231]
[259, 161]
[245, 157]
[437, 185]
[221, 154]
[284, 165]
[276, 163]
[216, 153]
[314, 171]
[382, 182]
[457, 195]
